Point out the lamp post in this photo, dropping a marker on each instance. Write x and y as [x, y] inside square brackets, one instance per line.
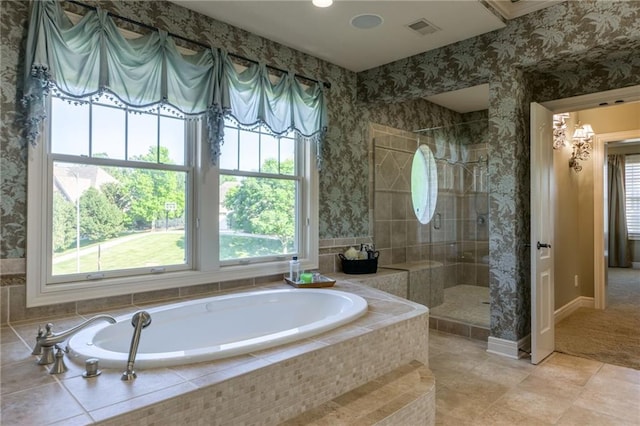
[75, 174]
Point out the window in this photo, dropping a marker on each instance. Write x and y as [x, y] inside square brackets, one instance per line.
[259, 187]
[134, 204]
[120, 189]
[632, 195]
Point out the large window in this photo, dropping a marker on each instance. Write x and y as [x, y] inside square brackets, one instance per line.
[119, 190]
[132, 202]
[259, 186]
[632, 194]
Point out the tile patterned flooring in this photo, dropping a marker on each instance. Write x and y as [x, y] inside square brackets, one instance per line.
[474, 387]
[468, 304]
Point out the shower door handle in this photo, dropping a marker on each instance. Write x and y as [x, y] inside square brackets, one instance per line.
[543, 245]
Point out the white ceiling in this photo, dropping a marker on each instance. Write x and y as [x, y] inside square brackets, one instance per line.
[326, 33]
[464, 100]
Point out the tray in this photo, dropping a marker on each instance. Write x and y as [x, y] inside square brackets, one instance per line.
[322, 282]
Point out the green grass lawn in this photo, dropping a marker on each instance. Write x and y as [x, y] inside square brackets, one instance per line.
[151, 249]
[159, 248]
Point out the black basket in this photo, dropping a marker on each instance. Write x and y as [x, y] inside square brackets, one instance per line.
[360, 266]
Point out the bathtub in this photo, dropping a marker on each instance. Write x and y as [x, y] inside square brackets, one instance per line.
[218, 327]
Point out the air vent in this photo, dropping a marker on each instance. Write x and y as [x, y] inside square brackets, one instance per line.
[423, 27]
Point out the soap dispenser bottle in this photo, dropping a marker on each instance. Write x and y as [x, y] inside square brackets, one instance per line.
[294, 269]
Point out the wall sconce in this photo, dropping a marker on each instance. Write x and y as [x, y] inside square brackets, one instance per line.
[581, 144]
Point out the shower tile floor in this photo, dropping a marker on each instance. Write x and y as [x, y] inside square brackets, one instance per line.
[468, 304]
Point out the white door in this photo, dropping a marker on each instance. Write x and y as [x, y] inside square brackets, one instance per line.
[542, 211]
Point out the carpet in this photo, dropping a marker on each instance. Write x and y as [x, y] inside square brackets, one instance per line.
[611, 335]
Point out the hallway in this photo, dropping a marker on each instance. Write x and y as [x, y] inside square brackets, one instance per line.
[611, 335]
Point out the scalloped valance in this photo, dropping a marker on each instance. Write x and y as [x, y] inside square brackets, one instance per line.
[92, 57]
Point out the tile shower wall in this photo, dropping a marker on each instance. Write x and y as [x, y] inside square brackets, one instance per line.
[568, 49]
[457, 236]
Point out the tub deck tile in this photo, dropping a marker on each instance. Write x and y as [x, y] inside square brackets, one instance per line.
[108, 388]
[200, 369]
[228, 373]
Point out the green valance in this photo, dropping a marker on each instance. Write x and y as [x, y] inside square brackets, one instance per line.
[92, 58]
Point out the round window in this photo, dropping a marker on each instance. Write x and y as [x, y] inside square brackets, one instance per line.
[424, 184]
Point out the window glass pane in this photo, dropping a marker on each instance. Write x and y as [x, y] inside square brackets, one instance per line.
[249, 151]
[257, 217]
[229, 149]
[287, 156]
[107, 132]
[171, 140]
[632, 194]
[69, 127]
[128, 218]
[143, 135]
[268, 154]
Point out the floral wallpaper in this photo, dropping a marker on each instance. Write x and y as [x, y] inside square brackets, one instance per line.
[569, 49]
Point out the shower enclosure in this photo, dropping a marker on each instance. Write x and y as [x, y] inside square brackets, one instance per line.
[447, 257]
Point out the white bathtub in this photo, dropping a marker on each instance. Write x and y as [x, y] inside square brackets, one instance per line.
[218, 327]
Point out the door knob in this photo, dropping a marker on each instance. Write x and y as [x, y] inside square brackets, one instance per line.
[543, 245]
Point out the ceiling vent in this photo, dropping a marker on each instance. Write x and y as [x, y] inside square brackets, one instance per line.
[423, 27]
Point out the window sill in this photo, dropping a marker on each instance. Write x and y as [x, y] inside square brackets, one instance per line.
[41, 294]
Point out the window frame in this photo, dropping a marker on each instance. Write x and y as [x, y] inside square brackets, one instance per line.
[633, 234]
[201, 214]
[297, 177]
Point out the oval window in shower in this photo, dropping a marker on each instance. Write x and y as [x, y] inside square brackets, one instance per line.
[424, 184]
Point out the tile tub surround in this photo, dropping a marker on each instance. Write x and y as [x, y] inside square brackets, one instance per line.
[426, 281]
[392, 281]
[266, 387]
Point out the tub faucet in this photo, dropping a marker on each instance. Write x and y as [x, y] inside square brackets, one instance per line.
[45, 342]
[139, 320]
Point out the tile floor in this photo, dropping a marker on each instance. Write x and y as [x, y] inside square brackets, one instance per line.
[467, 304]
[474, 387]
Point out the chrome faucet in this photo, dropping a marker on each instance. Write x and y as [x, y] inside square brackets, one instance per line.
[47, 341]
[139, 320]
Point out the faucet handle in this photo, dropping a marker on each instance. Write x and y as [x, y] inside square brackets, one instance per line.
[58, 366]
[37, 349]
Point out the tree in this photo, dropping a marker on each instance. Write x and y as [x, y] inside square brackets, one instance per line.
[117, 195]
[99, 218]
[150, 189]
[264, 206]
[64, 220]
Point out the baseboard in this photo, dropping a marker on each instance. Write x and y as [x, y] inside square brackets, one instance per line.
[509, 348]
[571, 307]
[13, 266]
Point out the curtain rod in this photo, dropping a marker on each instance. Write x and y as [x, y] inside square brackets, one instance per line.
[197, 43]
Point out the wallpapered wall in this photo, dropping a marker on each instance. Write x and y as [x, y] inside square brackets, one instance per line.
[566, 50]
[548, 46]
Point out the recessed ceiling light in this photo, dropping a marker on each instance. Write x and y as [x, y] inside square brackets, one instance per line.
[366, 21]
[322, 3]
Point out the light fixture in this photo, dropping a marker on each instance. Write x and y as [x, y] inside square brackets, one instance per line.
[581, 145]
[322, 3]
